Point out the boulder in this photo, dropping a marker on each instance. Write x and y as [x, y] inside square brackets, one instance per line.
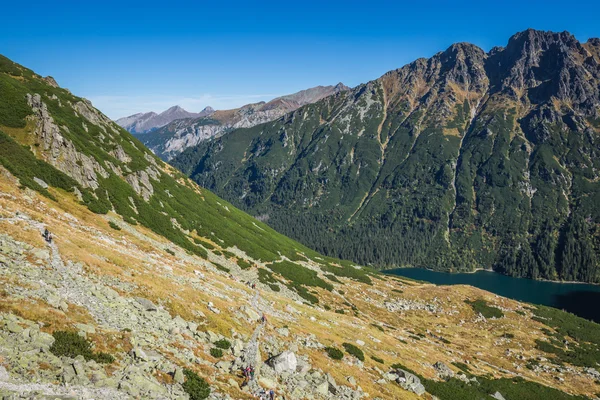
[443, 370]
[284, 362]
[178, 376]
[40, 182]
[4, 376]
[410, 382]
[497, 396]
[146, 304]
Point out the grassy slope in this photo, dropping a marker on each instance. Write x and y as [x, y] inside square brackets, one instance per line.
[175, 196]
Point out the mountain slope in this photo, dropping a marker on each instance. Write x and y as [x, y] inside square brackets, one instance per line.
[144, 290]
[146, 122]
[465, 160]
[175, 137]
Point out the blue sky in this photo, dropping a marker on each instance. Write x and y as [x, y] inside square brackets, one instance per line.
[138, 56]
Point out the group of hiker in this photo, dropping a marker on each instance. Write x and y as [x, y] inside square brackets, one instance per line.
[248, 374]
[264, 395]
[47, 236]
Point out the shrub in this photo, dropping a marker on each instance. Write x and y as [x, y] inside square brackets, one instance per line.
[194, 386]
[340, 311]
[243, 264]
[114, 226]
[223, 344]
[171, 252]
[377, 359]
[334, 353]
[221, 268]
[480, 306]
[274, 287]
[70, 344]
[354, 351]
[217, 353]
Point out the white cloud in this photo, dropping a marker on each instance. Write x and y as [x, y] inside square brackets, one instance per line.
[122, 106]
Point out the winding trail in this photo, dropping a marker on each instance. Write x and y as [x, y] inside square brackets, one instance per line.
[251, 353]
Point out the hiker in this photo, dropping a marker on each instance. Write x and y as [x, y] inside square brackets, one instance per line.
[251, 373]
[271, 395]
[47, 235]
[246, 375]
[254, 286]
[263, 319]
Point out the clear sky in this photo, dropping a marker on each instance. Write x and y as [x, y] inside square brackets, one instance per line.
[130, 57]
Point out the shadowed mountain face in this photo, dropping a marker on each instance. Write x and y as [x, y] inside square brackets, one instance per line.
[465, 160]
[171, 139]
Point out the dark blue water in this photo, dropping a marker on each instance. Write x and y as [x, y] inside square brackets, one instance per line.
[579, 299]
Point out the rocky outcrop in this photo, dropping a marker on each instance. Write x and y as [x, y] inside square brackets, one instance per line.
[59, 151]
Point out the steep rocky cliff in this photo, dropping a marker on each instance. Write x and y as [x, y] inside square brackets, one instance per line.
[465, 160]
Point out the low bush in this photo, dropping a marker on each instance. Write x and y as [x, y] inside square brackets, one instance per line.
[223, 344]
[480, 306]
[215, 352]
[377, 359]
[334, 353]
[70, 344]
[196, 387]
[114, 226]
[354, 351]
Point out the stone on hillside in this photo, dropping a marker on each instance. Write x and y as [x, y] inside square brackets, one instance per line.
[284, 362]
[267, 383]
[237, 347]
[40, 182]
[498, 396]
[410, 382]
[14, 327]
[322, 388]
[212, 337]
[443, 370]
[139, 354]
[4, 376]
[146, 304]
[252, 315]
[360, 342]
[178, 376]
[86, 328]
[223, 365]
[351, 380]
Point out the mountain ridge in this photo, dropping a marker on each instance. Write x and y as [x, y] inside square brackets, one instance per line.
[416, 167]
[171, 139]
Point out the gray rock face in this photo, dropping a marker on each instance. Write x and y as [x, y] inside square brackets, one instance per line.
[284, 362]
